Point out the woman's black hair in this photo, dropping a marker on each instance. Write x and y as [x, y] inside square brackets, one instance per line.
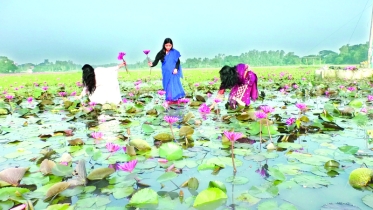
[163, 50]
[89, 78]
[228, 77]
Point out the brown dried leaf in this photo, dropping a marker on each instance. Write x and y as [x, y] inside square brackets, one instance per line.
[77, 141]
[13, 175]
[56, 189]
[100, 173]
[46, 166]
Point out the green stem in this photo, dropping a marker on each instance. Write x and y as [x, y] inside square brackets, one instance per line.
[173, 136]
[234, 165]
[260, 135]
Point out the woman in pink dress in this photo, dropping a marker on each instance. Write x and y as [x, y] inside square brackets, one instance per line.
[101, 84]
[243, 84]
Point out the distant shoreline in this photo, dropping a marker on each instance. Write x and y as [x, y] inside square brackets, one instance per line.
[187, 69]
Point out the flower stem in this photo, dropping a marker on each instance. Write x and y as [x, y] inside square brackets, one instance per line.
[234, 165]
[260, 135]
[269, 132]
[109, 155]
[173, 136]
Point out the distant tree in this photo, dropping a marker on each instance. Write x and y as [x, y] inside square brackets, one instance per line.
[7, 65]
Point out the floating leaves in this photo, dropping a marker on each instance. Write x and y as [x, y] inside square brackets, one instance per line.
[163, 137]
[46, 166]
[166, 177]
[210, 198]
[218, 184]
[140, 144]
[311, 181]
[340, 206]
[349, 149]
[237, 180]
[171, 151]
[144, 198]
[13, 175]
[56, 189]
[100, 173]
[368, 200]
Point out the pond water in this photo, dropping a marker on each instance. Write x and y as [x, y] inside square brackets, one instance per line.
[290, 177]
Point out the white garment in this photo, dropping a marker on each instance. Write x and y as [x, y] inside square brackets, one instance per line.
[107, 86]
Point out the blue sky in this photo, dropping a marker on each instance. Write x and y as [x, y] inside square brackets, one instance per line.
[94, 32]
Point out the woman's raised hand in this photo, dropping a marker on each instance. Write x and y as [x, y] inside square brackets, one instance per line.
[122, 64]
[150, 64]
[175, 71]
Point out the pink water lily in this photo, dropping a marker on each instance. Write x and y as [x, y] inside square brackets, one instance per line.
[112, 147]
[162, 160]
[204, 109]
[170, 119]
[233, 136]
[129, 166]
[92, 103]
[301, 106]
[290, 121]
[97, 135]
[73, 93]
[184, 100]
[62, 94]
[370, 98]
[20, 207]
[29, 99]
[260, 115]
[267, 109]
[217, 100]
[121, 55]
[161, 92]
[64, 163]
[352, 88]
[295, 86]
[124, 149]
[45, 88]
[146, 52]
[9, 97]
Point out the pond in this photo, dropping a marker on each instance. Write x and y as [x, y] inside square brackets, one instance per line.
[55, 152]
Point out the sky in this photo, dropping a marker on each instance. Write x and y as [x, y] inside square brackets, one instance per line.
[95, 31]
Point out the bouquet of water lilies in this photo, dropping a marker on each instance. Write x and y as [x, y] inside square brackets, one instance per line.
[351, 68]
[121, 57]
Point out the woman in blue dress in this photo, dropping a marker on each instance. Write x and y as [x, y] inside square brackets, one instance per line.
[171, 71]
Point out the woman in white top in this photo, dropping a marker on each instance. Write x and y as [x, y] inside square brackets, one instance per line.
[101, 84]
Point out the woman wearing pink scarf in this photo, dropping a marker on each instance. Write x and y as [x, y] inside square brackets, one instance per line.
[243, 84]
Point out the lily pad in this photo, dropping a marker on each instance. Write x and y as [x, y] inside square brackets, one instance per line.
[171, 151]
[210, 198]
[144, 198]
[166, 177]
[100, 173]
[311, 181]
[237, 180]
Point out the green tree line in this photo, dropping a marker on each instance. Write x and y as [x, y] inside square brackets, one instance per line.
[348, 54]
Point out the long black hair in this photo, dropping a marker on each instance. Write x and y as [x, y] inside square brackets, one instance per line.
[89, 78]
[163, 50]
[228, 77]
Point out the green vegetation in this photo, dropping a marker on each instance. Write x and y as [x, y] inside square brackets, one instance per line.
[355, 54]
